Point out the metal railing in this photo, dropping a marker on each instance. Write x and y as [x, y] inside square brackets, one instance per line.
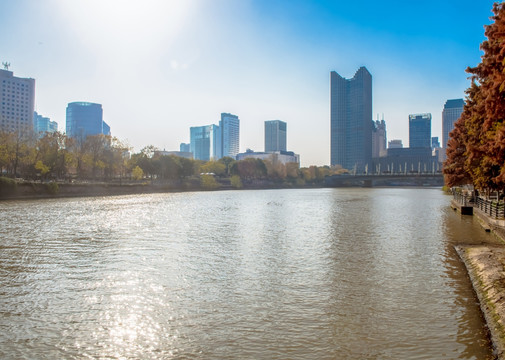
[492, 208]
[463, 199]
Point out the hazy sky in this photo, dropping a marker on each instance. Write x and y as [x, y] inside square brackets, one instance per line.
[159, 66]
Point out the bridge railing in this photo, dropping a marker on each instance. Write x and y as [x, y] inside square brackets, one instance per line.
[492, 208]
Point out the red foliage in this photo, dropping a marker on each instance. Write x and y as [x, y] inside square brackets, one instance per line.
[476, 152]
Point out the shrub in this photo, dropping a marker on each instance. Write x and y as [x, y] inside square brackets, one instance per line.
[208, 182]
[236, 182]
[7, 185]
[52, 188]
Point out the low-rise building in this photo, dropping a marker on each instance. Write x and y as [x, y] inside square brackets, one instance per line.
[281, 156]
[407, 160]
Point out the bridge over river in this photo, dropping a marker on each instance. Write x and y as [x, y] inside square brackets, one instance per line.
[371, 180]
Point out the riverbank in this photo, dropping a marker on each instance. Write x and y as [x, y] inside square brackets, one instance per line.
[37, 190]
[485, 265]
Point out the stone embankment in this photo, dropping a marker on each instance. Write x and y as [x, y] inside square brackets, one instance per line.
[486, 267]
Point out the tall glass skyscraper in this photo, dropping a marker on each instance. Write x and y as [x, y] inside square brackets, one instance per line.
[452, 111]
[420, 130]
[351, 120]
[43, 125]
[230, 134]
[205, 142]
[84, 118]
[275, 135]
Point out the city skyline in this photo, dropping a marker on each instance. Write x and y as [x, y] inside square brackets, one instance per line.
[171, 64]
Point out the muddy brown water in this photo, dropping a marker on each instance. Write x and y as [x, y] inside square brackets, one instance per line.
[267, 274]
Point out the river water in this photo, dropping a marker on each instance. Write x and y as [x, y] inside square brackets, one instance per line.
[267, 274]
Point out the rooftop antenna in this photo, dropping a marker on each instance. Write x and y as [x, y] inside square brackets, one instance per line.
[6, 65]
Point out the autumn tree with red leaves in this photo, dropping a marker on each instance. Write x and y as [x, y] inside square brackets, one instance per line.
[476, 150]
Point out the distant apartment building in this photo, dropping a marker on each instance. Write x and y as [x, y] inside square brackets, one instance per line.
[85, 119]
[230, 135]
[205, 142]
[43, 125]
[184, 147]
[275, 135]
[451, 113]
[379, 139]
[395, 144]
[351, 120]
[420, 130]
[18, 103]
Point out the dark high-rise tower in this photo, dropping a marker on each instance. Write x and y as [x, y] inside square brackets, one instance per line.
[351, 120]
[420, 130]
[275, 135]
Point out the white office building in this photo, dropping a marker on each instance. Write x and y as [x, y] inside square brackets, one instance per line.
[17, 97]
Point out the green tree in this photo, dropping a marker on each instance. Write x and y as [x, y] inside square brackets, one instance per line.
[137, 173]
[170, 167]
[188, 167]
[276, 170]
[250, 169]
[213, 167]
[42, 168]
[236, 182]
[208, 182]
[292, 170]
[227, 161]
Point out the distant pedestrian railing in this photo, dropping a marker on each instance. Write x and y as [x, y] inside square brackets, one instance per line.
[463, 199]
[493, 208]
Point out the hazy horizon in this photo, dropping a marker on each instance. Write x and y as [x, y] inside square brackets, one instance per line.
[159, 67]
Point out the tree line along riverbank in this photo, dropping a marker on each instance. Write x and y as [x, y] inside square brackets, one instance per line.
[99, 158]
[475, 160]
[11, 189]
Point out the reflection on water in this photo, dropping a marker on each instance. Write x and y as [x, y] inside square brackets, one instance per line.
[320, 273]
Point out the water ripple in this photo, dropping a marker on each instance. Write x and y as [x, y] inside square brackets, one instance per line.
[322, 273]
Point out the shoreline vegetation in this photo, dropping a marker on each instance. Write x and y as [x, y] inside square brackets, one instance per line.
[11, 189]
[56, 165]
[15, 190]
